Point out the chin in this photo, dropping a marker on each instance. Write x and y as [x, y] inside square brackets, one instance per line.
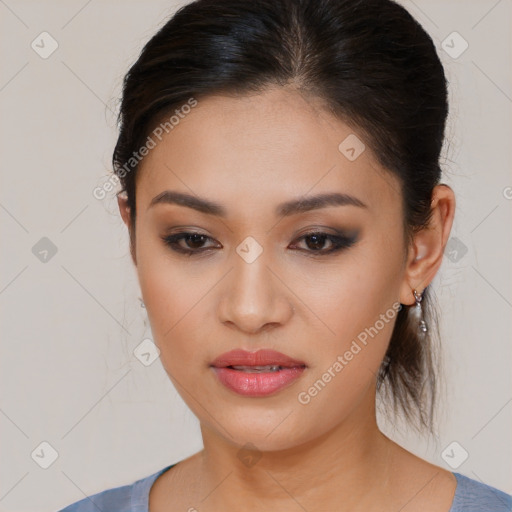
[264, 431]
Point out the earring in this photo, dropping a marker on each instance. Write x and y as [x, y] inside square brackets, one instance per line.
[418, 312]
[142, 305]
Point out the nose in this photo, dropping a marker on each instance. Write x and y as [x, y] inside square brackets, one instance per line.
[253, 297]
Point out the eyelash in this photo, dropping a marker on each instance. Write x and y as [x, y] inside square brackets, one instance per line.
[338, 243]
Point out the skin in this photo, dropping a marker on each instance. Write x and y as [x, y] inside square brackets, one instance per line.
[249, 154]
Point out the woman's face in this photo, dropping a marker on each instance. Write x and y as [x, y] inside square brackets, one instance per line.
[255, 281]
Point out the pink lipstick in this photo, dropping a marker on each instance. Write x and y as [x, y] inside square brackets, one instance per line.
[256, 374]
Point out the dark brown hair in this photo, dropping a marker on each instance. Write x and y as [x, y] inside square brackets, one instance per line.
[372, 65]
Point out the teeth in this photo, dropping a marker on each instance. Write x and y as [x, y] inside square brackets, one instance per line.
[257, 369]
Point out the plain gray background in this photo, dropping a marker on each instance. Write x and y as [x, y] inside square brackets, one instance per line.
[70, 311]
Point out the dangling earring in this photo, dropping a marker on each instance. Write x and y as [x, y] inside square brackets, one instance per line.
[144, 315]
[418, 313]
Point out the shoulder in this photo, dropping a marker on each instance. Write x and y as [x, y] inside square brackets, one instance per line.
[474, 496]
[126, 498]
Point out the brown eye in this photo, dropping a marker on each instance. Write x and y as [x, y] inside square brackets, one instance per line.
[316, 240]
[195, 241]
[192, 242]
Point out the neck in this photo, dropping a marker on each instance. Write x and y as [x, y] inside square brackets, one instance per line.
[342, 469]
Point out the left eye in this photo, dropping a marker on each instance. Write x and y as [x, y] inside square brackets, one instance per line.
[316, 240]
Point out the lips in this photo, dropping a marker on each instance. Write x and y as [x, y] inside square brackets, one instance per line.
[254, 359]
[256, 374]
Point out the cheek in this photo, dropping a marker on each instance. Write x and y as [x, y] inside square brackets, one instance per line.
[343, 298]
[346, 368]
[357, 306]
[171, 297]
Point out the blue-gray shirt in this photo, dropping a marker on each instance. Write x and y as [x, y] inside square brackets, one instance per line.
[470, 496]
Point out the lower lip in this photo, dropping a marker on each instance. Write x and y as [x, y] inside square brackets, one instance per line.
[257, 384]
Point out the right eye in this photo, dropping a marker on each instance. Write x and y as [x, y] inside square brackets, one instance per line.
[193, 241]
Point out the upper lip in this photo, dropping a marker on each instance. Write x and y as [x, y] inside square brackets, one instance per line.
[261, 357]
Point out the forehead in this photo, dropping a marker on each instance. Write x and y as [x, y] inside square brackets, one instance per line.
[259, 148]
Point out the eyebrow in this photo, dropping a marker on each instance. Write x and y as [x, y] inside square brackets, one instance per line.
[291, 207]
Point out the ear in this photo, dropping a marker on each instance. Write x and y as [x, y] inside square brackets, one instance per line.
[124, 210]
[427, 249]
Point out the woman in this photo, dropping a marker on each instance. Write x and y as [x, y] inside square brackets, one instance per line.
[279, 164]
